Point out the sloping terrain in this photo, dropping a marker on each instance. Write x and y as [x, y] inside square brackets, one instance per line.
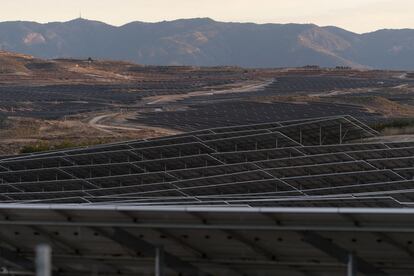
[18, 68]
[205, 42]
[119, 100]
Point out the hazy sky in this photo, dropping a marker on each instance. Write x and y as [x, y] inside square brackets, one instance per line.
[355, 15]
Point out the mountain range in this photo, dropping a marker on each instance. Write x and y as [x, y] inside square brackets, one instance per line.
[205, 42]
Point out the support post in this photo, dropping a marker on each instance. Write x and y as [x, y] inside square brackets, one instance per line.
[351, 265]
[127, 240]
[43, 260]
[342, 254]
[159, 261]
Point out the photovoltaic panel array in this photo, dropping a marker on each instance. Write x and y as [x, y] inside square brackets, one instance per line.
[318, 162]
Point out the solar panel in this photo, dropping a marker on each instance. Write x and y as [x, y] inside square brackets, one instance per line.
[282, 160]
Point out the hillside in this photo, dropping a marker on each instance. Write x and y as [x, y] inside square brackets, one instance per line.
[208, 43]
[19, 69]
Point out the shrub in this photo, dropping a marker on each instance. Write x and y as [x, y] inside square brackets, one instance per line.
[39, 147]
[66, 144]
[395, 123]
[3, 121]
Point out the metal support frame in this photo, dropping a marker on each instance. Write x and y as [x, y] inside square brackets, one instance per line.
[188, 246]
[53, 240]
[383, 236]
[159, 261]
[325, 242]
[85, 192]
[43, 260]
[240, 238]
[341, 254]
[403, 228]
[165, 232]
[68, 153]
[97, 264]
[12, 257]
[351, 266]
[260, 250]
[129, 241]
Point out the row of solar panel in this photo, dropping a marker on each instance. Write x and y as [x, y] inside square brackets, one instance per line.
[180, 170]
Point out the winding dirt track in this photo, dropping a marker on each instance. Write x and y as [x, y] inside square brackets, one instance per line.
[102, 122]
[244, 87]
[98, 123]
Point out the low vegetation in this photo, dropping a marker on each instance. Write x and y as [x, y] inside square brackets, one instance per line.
[28, 135]
[396, 126]
[396, 123]
[42, 146]
[3, 121]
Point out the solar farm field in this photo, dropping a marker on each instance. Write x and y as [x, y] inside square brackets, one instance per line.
[279, 198]
[123, 169]
[227, 113]
[295, 84]
[282, 158]
[119, 100]
[57, 101]
[269, 103]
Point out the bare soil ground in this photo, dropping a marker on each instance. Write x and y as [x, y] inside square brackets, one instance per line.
[241, 87]
[399, 138]
[117, 124]
[21, 132]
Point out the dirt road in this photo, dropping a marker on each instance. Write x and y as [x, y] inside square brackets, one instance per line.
[244, 87]
[112, 123]
[97, 122]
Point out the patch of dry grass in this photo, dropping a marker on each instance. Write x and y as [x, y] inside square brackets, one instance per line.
[23, 132]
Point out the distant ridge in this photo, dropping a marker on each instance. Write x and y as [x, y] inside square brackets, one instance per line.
[205, 42]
